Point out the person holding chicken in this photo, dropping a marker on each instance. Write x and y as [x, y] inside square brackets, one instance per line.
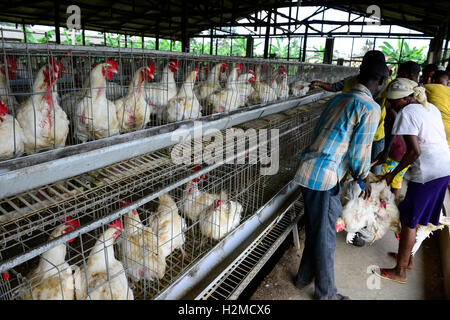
[420, 123]
[342, 141]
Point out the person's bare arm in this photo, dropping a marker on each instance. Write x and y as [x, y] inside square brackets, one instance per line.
[412, 153]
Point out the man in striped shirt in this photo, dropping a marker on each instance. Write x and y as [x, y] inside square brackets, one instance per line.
[342, 141]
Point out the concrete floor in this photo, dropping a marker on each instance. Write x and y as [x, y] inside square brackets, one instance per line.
[353, 276]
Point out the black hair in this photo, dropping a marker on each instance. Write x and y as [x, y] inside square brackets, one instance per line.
[410, 68]
[373, 55]
[439, 74]
[376, 70]
[432, 67]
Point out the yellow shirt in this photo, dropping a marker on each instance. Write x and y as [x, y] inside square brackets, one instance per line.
[379, 134]
[439, 95]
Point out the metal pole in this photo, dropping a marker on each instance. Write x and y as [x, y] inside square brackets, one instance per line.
[304, 43]
[211, 46]
[57, 33]
[266, 41]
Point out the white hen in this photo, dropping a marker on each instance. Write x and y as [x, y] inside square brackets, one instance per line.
[104, 277]
[11, 134]
[159, 93]
[96, 116]
[372, 217]
[6, 96]
[168, 225]
[212, 83]
[220, 218]
[140, 247]
[195, 201]
[185, 104]
[43, 121]
[133, 111]
[264, 92]
[235, 93]
[52, 279]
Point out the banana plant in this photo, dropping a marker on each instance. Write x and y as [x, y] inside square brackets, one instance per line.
[399, 55]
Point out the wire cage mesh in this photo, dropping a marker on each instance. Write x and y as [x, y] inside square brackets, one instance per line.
[160, 239]
[59, 96]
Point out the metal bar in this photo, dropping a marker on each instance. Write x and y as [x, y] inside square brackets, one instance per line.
[51, 167]
[185, 287]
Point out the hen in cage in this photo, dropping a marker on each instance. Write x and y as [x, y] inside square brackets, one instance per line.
[159, 93]
[235, 93]
[8, 69]
[263, 92]
[96, 116]
[11, 134]
[195, 201]
[43, 121]
[185, 104]
[133, 110]
[281, 86]
[53, 278]
[220, 218]
[168, 225]
[212, 82]
[103, 276]
[143, 258]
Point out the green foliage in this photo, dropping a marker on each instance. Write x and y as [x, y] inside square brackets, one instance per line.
[44, 39]
[393, 54]
[78, 39]
[317, 56]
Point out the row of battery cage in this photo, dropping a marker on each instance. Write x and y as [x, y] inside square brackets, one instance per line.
[157, 243]
[51, 100]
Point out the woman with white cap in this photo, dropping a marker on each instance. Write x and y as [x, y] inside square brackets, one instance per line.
[420, 124]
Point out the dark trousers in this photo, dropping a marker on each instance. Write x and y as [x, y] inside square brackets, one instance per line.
[322, 208]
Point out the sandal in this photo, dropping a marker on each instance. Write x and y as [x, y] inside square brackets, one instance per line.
[385, 275]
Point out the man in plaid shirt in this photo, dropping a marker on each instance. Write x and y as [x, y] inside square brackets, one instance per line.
[342, 141]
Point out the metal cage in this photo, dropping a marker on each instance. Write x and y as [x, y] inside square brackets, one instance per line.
[64, 95]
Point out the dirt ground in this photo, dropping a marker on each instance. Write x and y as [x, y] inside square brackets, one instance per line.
[353, 277]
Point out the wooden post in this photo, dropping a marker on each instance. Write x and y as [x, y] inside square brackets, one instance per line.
[24, 33]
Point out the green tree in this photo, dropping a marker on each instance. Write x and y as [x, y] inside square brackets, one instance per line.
[397, 55]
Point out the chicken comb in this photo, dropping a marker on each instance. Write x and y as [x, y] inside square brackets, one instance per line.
[11, 64]
[69, 221]
[196, 180]
[112, 63]
[72, 225]
[124, 203]
[3, 109]
[196, 168]
[151, 66]
[224, 67]
[175, 62]
[197, 70]
[239, 66]
[117, 225]
[218, 203]
[281, 69]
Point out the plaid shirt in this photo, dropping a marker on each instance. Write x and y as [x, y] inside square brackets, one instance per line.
[342, 140]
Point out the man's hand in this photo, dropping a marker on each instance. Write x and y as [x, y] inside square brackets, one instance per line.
[367, 189]
[315, 84]
[381, 158]
[388, 177]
